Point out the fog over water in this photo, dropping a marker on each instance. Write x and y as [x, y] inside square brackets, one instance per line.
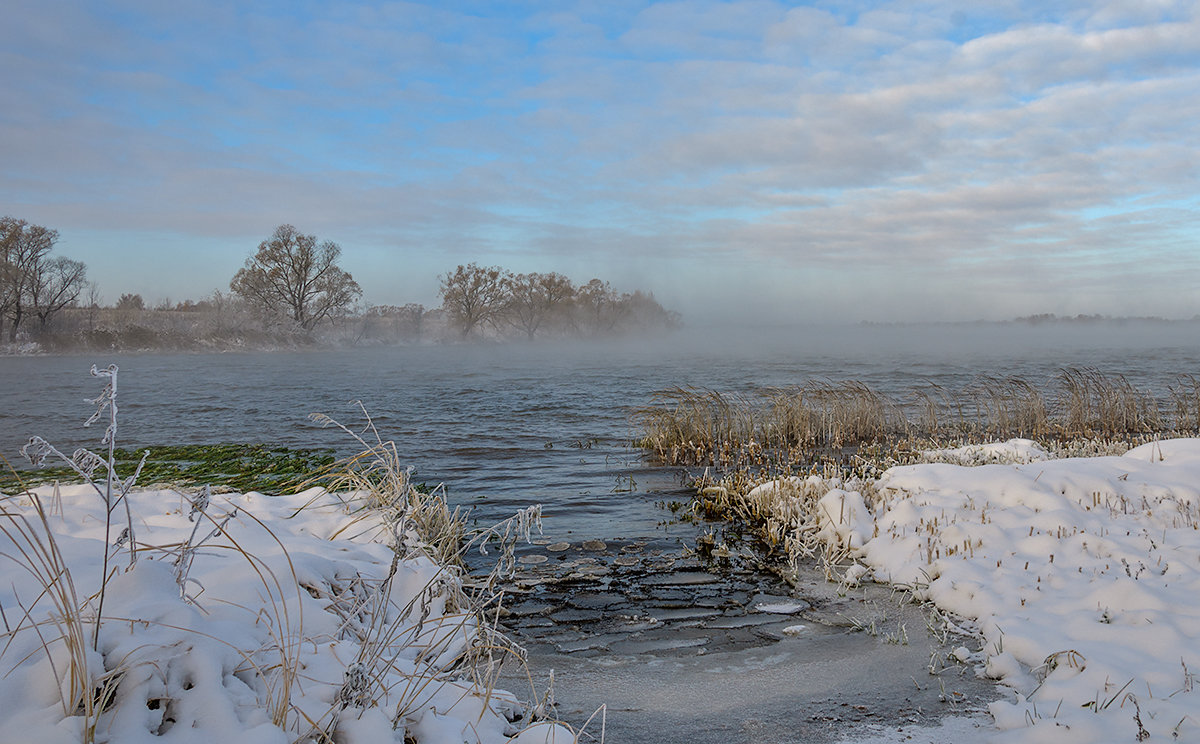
[504, 426]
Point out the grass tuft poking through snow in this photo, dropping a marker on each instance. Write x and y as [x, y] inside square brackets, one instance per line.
[1082, 577]
[328, 615]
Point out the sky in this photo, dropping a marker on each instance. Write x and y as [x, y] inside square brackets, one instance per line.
[817, 161]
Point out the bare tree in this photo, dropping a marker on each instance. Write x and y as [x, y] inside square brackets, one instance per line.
[23, 249]
[535, 298]
[474, 295]
[54, 284]
[92, 302]
[224, 314]
[642, 311]
[393, 322]
[598, 308]
[291, 275]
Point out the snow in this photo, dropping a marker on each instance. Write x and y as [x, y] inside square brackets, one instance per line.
[285, 629]
[545, 733]
[1080, 579]
[1012, 451]
[844, 518]
[782, 608]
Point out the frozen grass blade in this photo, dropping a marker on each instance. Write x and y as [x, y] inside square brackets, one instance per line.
[84, 463]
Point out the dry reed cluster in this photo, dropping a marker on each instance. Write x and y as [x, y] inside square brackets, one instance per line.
[688, 426]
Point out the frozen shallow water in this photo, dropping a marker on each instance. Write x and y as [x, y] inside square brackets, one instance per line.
[697, 653]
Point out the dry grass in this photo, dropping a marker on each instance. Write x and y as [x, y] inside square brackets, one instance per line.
[687, 426]
[1095, 405]
[693, 426]
[384, 486]
[1185, 402]
[690, 426]
[1004, 407]
[781, 515]
[37, 552]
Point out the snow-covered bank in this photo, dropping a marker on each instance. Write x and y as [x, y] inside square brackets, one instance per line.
[1080, 576]
[249, 619]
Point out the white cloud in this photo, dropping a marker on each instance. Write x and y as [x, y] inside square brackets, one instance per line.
[974, 142]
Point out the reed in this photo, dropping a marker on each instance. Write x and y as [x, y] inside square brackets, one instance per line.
[1185, 403]
[1098, 405]
[783, 516]
[383, 485]
[799, 425]
[693, 426]
[464, 650]
[62, 636]
[1005, 407]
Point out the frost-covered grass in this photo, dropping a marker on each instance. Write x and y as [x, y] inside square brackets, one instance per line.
[136, 615]
[1075, 581]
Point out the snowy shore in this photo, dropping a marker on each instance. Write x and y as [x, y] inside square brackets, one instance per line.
[1078, 578]
[249, 619]
[1075, 583]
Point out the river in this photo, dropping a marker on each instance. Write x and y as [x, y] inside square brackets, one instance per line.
[506, 426]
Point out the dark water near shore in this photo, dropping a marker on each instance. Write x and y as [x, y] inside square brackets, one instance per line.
[507, 426]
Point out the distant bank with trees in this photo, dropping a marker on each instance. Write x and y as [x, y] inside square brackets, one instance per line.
[293, 292]
[494, 302]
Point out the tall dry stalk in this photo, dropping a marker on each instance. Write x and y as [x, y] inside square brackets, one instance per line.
[37, 553]
[377, 474]
[1009, 407]
[410, 649]
[1185, 400]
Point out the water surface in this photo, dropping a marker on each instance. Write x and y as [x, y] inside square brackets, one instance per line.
[507, 426]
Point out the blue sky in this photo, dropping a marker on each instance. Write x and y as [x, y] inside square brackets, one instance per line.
[830, 160]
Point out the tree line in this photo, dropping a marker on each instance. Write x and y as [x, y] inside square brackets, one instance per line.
[488, 299]
[292, 290]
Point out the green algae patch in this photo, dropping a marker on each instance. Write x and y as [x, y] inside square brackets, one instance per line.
[240, 467]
